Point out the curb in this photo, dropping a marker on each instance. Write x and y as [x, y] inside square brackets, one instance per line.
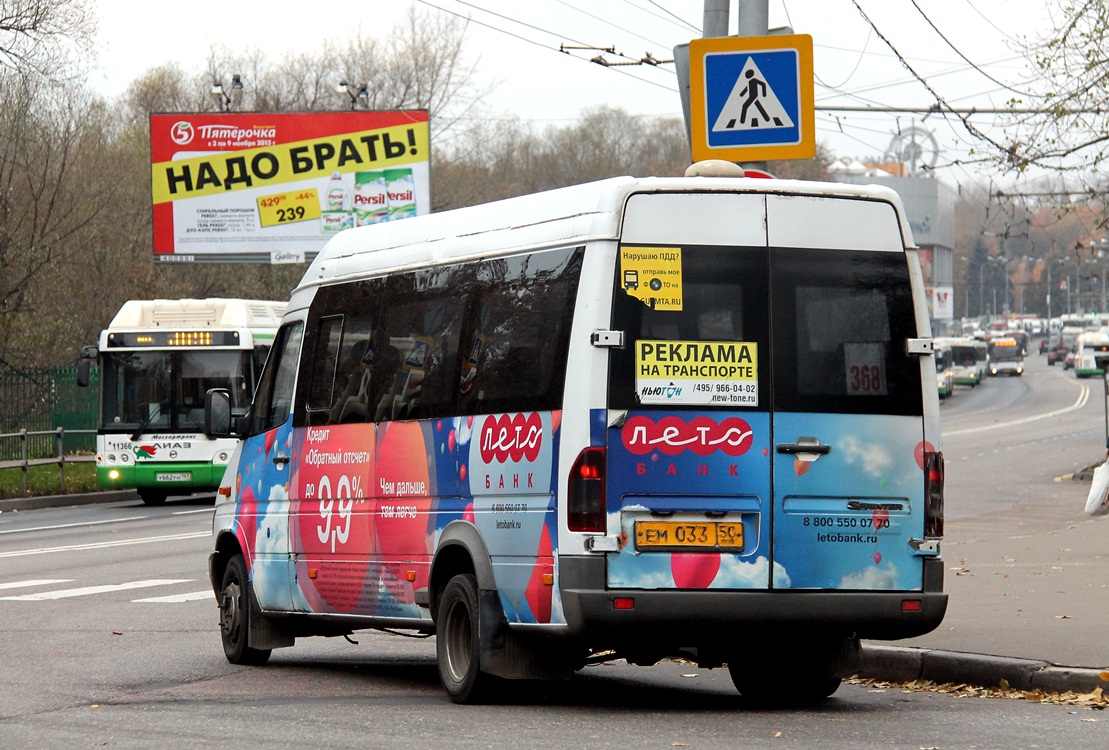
[64, 501]
[905, 664]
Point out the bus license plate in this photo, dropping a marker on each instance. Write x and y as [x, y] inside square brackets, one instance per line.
[718, 535]
[177, 476]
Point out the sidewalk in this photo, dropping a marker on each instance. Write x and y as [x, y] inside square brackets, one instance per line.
[1030, 608]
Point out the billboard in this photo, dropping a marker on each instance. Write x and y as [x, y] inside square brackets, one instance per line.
[941, 302]
[255, 187]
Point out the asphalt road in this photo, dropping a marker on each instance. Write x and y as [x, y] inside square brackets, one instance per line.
[111, 637]
[110, 640]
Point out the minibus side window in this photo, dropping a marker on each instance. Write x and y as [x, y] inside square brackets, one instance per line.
[518, 333]
[342, 334]
[274, 399]
[325, 360]
[417, 362]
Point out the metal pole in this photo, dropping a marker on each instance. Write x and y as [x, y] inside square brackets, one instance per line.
[716, 18]
[1049, 296]
[753, 17]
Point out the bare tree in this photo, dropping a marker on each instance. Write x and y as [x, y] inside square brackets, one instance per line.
[422, 65]
[44, 36]
[1062, 123]
[54, 189]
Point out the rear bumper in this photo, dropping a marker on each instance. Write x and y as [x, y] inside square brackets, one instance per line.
[685, 618]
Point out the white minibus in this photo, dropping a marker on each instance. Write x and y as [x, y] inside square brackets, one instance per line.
[633, 419]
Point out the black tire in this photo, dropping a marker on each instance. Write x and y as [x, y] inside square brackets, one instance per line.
[798, 679]
[153, 497]
[457, 642]
[234, 615]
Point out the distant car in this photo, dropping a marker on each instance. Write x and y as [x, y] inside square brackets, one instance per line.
[1043, 346]
[1068, 360]
[1061, 345]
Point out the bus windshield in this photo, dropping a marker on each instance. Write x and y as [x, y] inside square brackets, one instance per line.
[1005, 351]
[164, 390]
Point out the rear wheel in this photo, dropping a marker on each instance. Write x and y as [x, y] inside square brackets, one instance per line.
[793, 676]
[457, 642]
[234, 615]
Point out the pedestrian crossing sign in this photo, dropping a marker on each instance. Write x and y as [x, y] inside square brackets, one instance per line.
[751, 98]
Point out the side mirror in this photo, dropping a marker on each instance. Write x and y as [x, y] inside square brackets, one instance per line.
[89, 355]
[84, 368]
[217, 413]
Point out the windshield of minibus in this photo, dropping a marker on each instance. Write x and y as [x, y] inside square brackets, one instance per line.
[164, 390]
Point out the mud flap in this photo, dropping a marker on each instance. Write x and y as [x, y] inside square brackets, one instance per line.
[846, 660]
[263, 633]
[511, 655]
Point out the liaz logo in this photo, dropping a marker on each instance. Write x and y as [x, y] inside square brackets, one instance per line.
[511, 438]
[149, 451]
[145, 451]
[673, 435]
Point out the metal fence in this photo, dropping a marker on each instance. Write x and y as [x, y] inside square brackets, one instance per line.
[59, 456]
[41, 401]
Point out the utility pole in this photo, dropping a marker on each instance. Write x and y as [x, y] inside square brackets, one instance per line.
[715, 18]
[753, 18]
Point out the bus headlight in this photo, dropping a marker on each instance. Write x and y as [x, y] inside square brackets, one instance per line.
[113, 474]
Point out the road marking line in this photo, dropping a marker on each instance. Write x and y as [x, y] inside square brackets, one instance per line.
[1083, 397]
[105, 545]
[177, 598]
[37, 582]
[73, 525]
[88, 590]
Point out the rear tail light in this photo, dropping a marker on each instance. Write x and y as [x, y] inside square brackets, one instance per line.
[586, 503]
[933, 494]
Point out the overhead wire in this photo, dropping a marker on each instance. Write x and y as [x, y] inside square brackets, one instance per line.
[609, 23]
[958, 52]
[991, 23]
[471, 19]
[931, 90]
[672, 15]
[834, 123]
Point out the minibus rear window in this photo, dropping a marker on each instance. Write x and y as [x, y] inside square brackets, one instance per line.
[822, 330]
[840, 321]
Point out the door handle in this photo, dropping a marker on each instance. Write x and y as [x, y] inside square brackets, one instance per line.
[280, 460]
[802, 446]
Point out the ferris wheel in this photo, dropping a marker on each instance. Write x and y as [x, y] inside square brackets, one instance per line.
[916, 147]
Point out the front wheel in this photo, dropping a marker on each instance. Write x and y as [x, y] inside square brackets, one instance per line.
[234, 615]
[458, 644]
[153, 497]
